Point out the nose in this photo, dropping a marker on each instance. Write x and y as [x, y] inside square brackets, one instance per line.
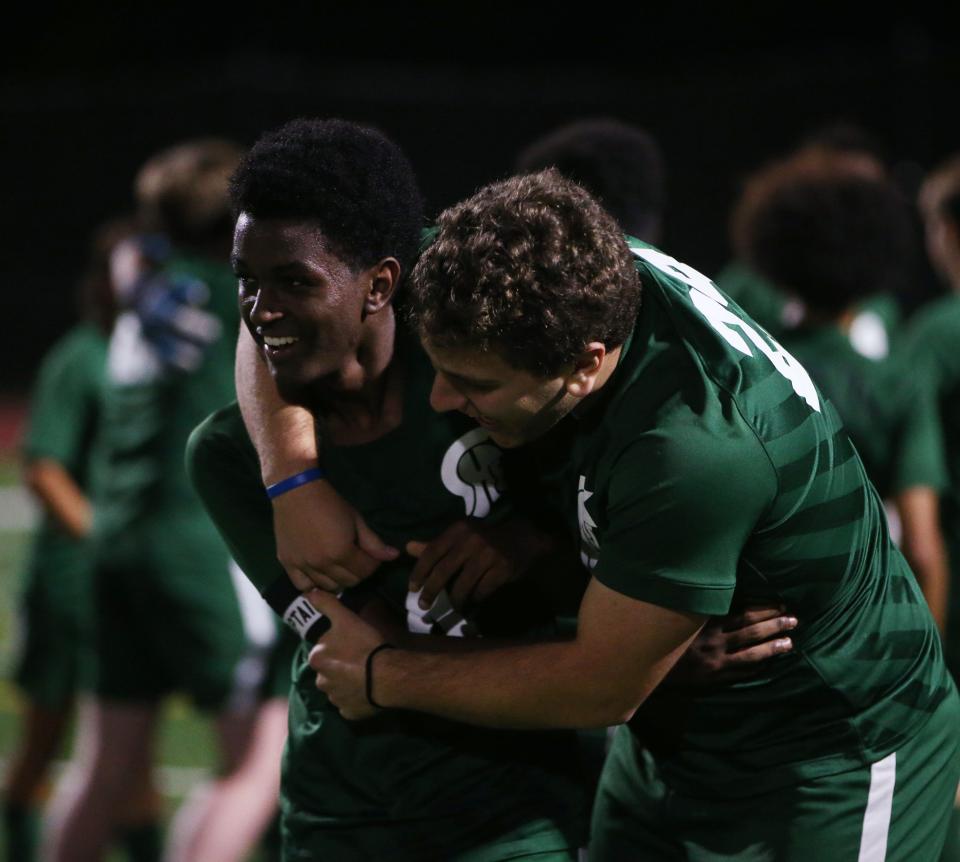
[444, 397]
[262, 309]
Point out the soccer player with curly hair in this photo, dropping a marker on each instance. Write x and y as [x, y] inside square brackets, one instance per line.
[697, 467]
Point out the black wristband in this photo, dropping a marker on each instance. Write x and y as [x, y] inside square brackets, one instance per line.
[369, 668]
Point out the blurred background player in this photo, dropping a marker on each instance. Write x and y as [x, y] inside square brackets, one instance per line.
[933, 342]
[774, 306]
[619, 164]
[823, 229]
[169, 614]
[933, 347]
[59, 462]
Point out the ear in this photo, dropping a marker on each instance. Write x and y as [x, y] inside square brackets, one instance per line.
[384, 278]
[586, 370]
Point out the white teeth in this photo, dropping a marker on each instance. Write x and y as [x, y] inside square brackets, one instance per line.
[282, 341]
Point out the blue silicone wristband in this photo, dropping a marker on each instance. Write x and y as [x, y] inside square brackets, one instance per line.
[294, 481]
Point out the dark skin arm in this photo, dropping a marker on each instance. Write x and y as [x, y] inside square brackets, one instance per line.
[321, 540]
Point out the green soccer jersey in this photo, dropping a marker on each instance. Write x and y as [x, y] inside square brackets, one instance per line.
[889, 415]
[399, 770]
[709, 473]
[150, 410]
[64, 415]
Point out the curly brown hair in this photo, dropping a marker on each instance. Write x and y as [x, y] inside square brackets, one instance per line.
[531, 269]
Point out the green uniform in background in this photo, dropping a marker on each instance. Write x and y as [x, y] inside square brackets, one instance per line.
[710, 473]
[170, 614]
[872, 331]
[767, 305]
[64, 414]
[933, 349]
[403, 786]
[888, 412]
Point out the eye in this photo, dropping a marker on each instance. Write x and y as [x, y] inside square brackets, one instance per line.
[296, 284]
[472, 386]
[245, 283]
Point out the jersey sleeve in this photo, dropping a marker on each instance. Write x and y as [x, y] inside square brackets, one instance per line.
[64, 403]
[931, 345]
[222, 464]
[919, 459]
[682, 503]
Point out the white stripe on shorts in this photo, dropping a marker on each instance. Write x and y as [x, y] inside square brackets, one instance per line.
[876, 819]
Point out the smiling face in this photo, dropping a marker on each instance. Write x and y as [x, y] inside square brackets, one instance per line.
[303, 306]
[514, 406]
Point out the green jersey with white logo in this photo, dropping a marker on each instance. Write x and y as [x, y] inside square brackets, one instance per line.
[450, 790]
[710, 473]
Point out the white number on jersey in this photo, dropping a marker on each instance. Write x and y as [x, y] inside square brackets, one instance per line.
[713, 306]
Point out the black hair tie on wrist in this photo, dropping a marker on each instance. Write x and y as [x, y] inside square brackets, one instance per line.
[369, 668]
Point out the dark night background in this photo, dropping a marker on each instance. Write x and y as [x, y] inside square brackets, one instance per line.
[87, 95]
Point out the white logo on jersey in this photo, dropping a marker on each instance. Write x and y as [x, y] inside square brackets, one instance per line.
[471, 470]
[441, 615]
[589, 546]
[713, 306]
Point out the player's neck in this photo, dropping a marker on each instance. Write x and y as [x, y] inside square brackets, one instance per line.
[367, 400]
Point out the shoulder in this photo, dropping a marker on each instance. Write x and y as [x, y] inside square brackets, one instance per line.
[939, 318]
[217, 442]
[80, 353]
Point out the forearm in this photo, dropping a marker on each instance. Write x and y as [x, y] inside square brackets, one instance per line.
[622, 650]
[546, 685]
[283, 434]
[60, 496]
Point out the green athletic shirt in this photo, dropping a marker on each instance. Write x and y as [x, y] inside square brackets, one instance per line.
[709, 473]
[150, 411]
[411, 483]
[64, 412]
[888, 413]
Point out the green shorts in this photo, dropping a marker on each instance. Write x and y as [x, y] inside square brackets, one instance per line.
[406, 786]
[895, 810]
[171, 617]
[54, 624]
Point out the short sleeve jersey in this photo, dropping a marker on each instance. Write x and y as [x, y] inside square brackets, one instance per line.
[890, 415]
[64, 417]
[710, 473]
[150, 410]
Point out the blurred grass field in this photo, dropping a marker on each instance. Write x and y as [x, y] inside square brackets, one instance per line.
[186, 752]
